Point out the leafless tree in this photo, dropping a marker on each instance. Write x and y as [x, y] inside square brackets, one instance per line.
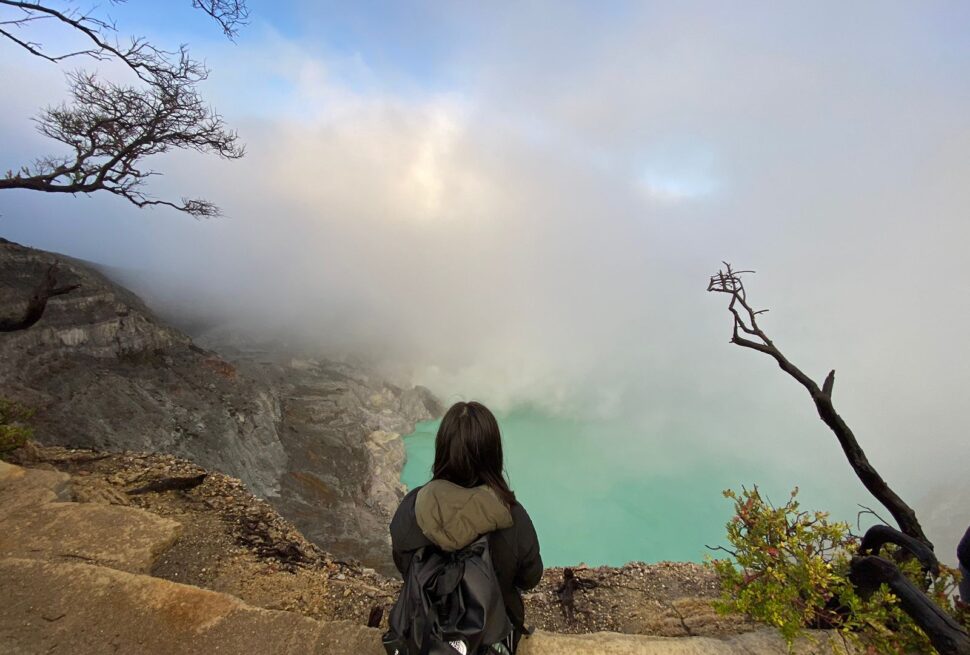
[868, 570]
[37, 302]
[748, 334]
[110, 128]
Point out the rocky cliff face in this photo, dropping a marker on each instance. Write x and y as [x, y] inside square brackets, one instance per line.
[340, 428]
[313, 437]
[102, 371]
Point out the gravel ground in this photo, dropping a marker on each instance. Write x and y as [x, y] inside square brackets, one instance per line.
[236, 543]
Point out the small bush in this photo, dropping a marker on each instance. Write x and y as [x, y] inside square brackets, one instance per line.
[789, 568]
[14, 425]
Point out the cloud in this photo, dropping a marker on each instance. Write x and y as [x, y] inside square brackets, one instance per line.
[535, 221]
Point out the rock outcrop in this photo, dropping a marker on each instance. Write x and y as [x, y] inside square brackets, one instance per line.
[85, 609]
[318, 439]
[96, 606]
[81, 608]
[34, 526]
[103, 372]
[340, 428]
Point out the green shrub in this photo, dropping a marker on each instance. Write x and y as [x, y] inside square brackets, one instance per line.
[789, 568]
[14, 427]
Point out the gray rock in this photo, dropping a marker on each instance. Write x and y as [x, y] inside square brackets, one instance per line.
[104, 372]
[341, 427]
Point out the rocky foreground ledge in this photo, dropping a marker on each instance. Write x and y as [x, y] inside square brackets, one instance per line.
[83, 568]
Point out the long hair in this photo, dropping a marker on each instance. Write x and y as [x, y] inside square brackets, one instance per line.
[468, 450]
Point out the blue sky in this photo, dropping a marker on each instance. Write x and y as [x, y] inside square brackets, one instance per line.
[524, 200]
[408, 42]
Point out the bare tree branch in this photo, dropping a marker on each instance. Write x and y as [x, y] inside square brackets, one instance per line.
[110, 128]
[748, 334]
[868, 571]
[879, 535]
[871, 512]
[34, 48]
[145, 60]
[37, 303]
[230, 14]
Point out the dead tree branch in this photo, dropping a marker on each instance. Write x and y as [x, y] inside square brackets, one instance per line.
[37, 303]
[184, 483]
[748, 334]
[879, 535]
[110, 128]
[148, 62]
[868, 571]
[230, 14]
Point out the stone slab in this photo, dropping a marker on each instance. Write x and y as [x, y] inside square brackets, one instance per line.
[123, 538]
[21, 487]
[762, 642]
[87, 610]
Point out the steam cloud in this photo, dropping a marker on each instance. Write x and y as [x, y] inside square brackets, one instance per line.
[537, 225]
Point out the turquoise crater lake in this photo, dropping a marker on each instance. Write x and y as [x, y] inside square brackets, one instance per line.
[600, 493]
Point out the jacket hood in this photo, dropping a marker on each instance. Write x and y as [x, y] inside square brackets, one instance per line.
[452, 516]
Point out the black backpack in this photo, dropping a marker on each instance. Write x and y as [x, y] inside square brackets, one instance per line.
[450, 604]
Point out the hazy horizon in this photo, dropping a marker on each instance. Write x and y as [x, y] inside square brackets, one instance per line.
[522, 204]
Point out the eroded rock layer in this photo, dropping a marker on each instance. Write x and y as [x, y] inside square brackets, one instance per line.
[318, 439]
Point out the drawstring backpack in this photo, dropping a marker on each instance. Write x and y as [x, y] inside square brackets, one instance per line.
[450, 604]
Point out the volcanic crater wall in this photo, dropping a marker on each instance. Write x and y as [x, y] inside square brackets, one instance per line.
[318, 439]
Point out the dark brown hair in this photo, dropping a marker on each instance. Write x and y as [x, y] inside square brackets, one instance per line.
[468, 450]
